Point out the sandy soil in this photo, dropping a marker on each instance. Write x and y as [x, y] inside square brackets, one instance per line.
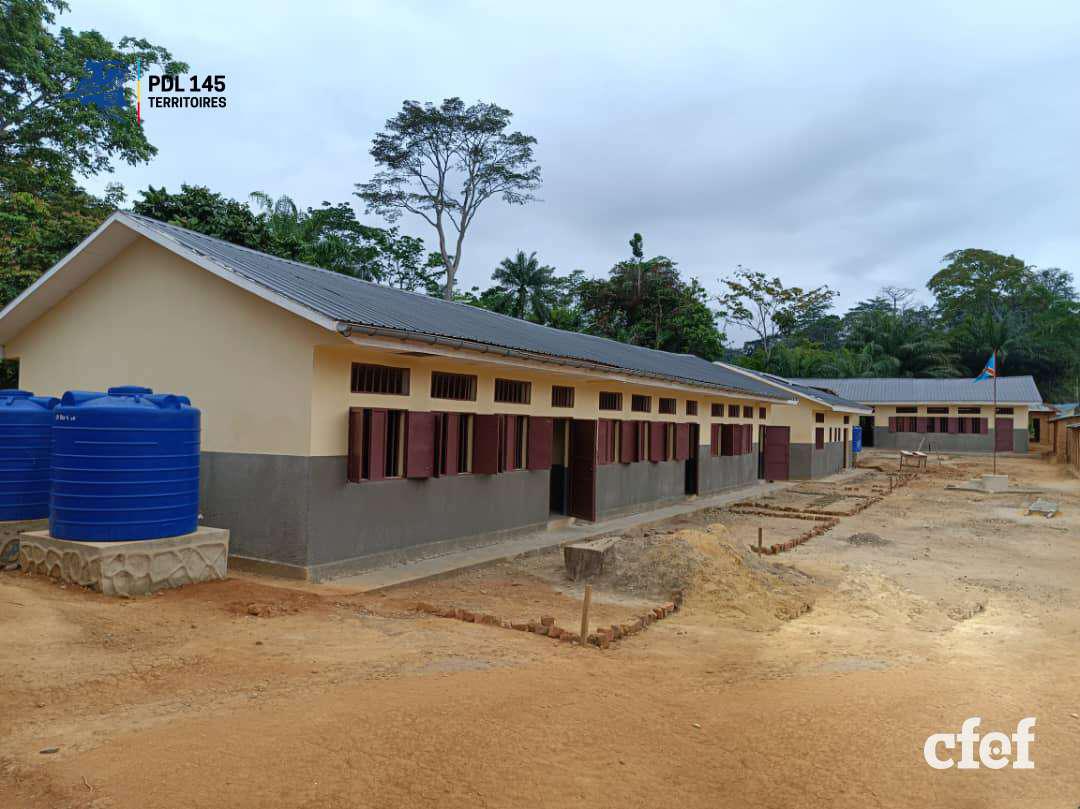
[253, 693]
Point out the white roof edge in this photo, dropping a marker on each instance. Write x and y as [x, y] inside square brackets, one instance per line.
[119, 217]
[867, 411]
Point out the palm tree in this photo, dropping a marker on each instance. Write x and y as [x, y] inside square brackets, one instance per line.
[526, 289]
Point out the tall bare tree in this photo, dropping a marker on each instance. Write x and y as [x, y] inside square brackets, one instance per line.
[442, 163]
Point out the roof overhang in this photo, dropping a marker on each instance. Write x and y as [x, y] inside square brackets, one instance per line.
[854, 408]
[392, 340]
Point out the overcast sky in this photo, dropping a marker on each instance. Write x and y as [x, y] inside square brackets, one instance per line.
[837, 143]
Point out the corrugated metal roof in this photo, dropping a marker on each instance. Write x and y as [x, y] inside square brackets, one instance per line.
[822, 395]
[1015, 389]
[351, 301]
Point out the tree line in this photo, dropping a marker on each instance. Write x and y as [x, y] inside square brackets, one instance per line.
[440, 164]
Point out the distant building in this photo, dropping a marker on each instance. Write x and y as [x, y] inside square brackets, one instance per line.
[952, 415]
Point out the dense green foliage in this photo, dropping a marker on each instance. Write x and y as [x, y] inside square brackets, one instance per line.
[48, 141]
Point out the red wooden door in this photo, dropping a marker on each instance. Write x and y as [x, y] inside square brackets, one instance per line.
[1003, 435]
[582, 470]
[777, 453]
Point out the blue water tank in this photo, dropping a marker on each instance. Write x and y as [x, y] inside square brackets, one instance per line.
[26, 423]
[125, 466]
[856, 438]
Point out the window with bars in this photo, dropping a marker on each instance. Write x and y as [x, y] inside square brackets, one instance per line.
[942, 411]
[640, 403]
[1004, 411]
[907, 410]
[819, 418]
[966, 411]
[379, 379]
[459, 387]
[562, 396]
[747, 412]
[610, 401]
[691, 407]
[513, 391]
[847, 419]
[733, 411]
[717, 410]
[668, 406]
[761, 413]
[454, 448]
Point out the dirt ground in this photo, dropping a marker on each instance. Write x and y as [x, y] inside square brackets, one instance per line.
[810, 678]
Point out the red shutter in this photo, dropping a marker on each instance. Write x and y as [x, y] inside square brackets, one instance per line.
[657, 430]
[892, 424]
[819, 438]
[748, 439]
[920, 424]
[541, 429]
[629, 444]
[453, 442]
[682, 442]
[714, 440]
[954, 424]
[356, 445]
[603, 432]
[420, 445]
[984, 426]
[376, 450]
[486, 444]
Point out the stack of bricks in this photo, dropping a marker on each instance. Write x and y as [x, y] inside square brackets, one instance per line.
[791, 544]
[546, 626]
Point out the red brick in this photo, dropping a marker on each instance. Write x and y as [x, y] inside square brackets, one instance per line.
[547, 620]
[467, 616]
[554, 632]
[520, 627]
[540, 630]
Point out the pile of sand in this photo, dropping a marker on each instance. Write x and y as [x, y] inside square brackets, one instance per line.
[713, 574]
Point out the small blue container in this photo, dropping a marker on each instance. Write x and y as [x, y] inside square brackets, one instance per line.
[125, 466]
[26, 423]
[856, 439]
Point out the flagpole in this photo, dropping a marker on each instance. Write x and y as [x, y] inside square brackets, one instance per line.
[995, 411]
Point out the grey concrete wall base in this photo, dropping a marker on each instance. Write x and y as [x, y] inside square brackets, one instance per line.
[9, 539]
[808, 462]
[128, 568]
[946, 442]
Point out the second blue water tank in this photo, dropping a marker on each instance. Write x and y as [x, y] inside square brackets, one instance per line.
[125, 466]
[26, 423]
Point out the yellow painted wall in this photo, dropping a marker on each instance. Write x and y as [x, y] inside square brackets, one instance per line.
[802, 421]
[151, 318]
[882, 413]
[332, 396]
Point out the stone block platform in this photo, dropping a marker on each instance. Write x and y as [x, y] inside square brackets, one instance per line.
[10, 530]
[128, 568]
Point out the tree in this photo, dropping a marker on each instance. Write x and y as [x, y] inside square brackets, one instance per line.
[526, 288]
[768, 308]
[48, 139]
[1031, 317]
[442, 163]
[646, 302]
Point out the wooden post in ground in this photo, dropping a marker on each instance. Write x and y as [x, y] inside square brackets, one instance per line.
[760, 537]
[585, 615]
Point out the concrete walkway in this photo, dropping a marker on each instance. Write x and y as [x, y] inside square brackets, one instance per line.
[445, 564]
